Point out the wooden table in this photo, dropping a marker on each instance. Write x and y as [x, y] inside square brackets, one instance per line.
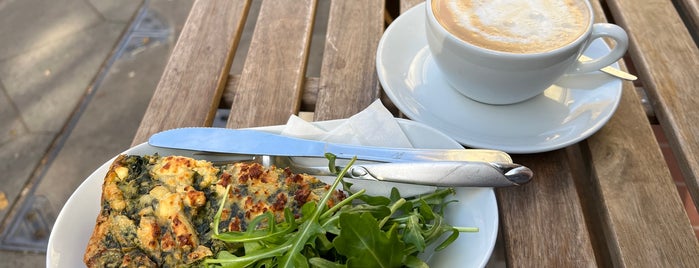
[607, 201]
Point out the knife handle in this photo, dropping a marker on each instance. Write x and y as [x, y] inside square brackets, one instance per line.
[446, 173]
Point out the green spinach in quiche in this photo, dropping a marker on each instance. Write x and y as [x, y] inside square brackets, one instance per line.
[158, 211]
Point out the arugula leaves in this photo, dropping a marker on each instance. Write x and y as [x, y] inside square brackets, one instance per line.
[360, 231]
[364, 243]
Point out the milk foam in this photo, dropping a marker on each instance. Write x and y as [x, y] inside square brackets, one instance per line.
[515, 25]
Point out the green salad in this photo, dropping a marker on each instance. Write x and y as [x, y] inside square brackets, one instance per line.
[360, 231]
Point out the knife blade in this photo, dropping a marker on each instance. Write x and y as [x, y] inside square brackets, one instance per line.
[612, 71]
[253, 142]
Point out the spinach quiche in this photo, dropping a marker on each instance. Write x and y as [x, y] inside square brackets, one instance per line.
[158, 211]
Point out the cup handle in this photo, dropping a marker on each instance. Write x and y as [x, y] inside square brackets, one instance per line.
[600, 30]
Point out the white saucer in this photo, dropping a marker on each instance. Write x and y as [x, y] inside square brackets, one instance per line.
[564, 114]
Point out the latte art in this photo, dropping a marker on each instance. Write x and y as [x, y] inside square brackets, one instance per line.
[519, 26]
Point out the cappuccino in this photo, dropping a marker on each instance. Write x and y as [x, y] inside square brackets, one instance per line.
[516, 26]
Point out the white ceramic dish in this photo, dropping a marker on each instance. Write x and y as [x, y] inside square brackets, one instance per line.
[566, 113]
[477, 207]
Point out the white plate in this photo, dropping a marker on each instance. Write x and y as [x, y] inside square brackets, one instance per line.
[477, 207]
[566, 113]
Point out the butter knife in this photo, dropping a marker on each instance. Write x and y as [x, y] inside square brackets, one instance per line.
[253, 142]
[612, 71]
[434, 167]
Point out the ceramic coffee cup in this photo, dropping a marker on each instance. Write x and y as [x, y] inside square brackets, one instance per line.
[504, 52]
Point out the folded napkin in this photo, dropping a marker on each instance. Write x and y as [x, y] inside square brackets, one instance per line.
[373, 126]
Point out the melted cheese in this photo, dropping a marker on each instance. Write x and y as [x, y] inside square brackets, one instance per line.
[121, 172]
[149, 233]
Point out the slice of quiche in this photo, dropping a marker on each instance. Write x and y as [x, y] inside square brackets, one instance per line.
[158, 211]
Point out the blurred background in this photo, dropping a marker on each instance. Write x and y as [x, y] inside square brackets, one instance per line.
[75, 79]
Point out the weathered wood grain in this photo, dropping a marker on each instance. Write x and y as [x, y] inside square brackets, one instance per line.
[308, 99]
[641, 214]
[191, 86]
[630, 189]
[270, 84]
[667, 58]
[542, 222]
[348, 79]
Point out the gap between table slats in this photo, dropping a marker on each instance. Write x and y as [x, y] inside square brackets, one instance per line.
[627, 187]
[668, 60]
[689, 11]
[195, 70]
[275, 65]
[308, 99]
[630, 199]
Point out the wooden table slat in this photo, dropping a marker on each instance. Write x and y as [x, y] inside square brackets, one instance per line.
[639, 210]
[275, 65]
[348, 70]
[667, 58]
[545, 214]
[635, 195]
[193, 80]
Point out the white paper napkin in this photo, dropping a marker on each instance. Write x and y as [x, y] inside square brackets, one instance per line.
[373, 126]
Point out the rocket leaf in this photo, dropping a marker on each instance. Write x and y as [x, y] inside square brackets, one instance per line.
[360, 231]
[365, 244]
